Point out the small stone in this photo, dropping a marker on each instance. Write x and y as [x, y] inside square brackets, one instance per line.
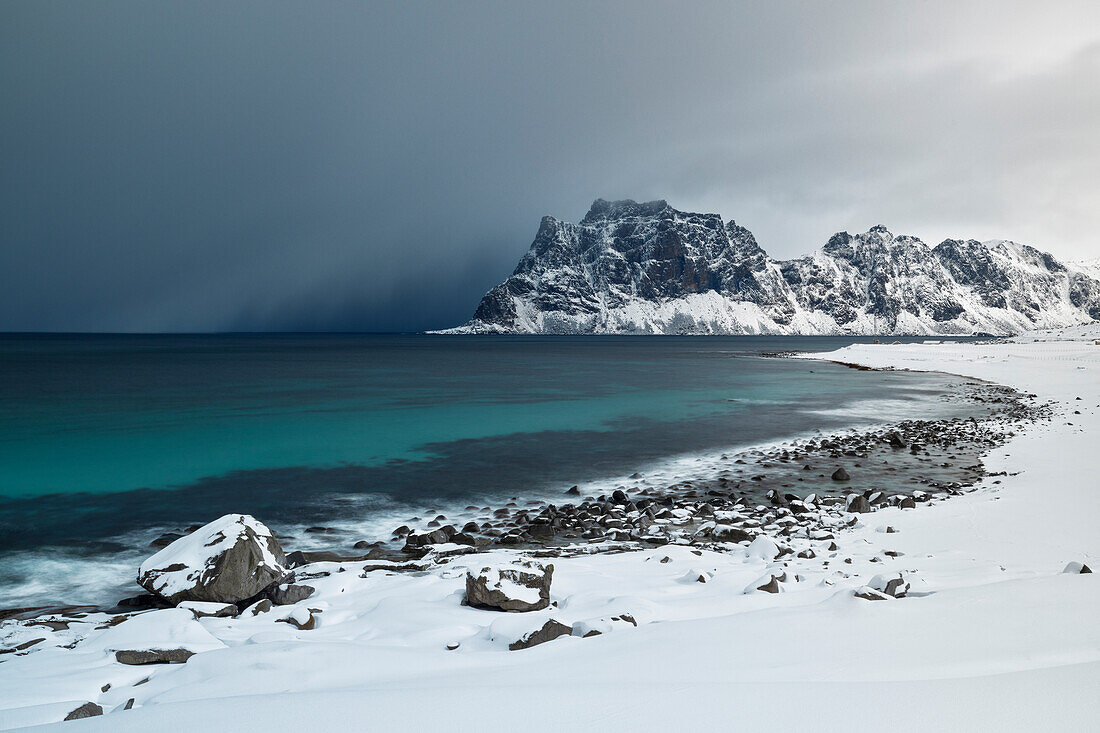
[841, 475]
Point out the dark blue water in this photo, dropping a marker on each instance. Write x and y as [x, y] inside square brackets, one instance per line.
[105, 440]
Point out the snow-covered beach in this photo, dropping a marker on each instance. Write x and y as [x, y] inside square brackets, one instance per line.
[992, 633]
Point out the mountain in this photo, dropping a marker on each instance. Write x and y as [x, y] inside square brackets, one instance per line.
[631, 267]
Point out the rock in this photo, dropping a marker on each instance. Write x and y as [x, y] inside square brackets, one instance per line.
[841, 475]
[144, 602]
[767, 584]
[907, 502]
[87, 710]
[520, 586]
[857, 503]
[228, 560]
[287, 594]
[261, 606]
[895, 440]
[165, 539]
[870, 594]
[550, 630]
[891, 585]
[153, 656]
[298, 558]
[618, 496]
[573, 491]
[129, 704]
[540, 531]
[1077, 567]
[303, 620]
[728, 533]
[435, 537]
[205, 609]
[471, 528]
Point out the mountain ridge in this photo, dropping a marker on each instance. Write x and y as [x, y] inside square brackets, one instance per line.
[636, 268]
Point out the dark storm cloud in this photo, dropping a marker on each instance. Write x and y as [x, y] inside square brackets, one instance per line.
[210, 166]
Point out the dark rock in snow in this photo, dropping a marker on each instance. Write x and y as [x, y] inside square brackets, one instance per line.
[153, 656]
[87, 710]
[727, 533]
[287, 594]
[521, 586]
[858, 503]
[548, 632]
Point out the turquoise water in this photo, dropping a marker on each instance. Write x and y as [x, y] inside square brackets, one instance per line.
[104, 439]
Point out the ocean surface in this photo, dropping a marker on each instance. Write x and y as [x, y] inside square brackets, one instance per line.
[107, 441]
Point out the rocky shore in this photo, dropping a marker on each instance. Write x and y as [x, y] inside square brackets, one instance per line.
[792, 493]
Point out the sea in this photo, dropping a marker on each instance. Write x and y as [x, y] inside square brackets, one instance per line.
[107, 441]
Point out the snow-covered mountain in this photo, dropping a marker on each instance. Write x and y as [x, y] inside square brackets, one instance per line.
[631, 267]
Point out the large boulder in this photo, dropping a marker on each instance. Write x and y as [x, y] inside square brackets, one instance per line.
[520, 586]
[230, 560]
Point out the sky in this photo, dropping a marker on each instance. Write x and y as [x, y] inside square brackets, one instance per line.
[238, 166]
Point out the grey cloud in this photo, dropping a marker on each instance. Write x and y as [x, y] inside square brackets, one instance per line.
[240, 165]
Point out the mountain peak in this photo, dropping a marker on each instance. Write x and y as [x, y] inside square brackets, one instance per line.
[602, 209]
[633, 267]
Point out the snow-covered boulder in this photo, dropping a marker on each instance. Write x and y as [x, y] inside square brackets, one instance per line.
[894, 585]
[857, 504]
[155, 637]
[763, 548]
[1077, 568]
[228, 560]
[729, 533]
[520, 586]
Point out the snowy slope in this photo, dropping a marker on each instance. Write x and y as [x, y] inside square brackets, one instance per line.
[648, 268]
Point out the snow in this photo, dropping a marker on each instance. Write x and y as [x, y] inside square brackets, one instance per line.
[991, 635]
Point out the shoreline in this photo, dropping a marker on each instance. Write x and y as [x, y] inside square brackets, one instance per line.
[745, 487]
[986, 598]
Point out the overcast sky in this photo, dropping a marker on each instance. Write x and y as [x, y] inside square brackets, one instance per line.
[364, 166]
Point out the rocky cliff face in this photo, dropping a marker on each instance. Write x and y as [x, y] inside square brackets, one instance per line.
[631, 267]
